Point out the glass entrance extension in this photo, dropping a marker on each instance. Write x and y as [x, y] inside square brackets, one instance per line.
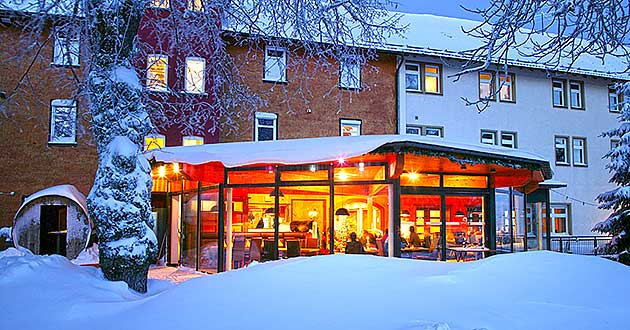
[396, 200]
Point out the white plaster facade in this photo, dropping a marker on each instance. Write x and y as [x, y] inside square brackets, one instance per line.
[532, 117]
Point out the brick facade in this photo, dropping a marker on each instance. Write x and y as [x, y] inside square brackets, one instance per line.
[28, 163]
[319, 113]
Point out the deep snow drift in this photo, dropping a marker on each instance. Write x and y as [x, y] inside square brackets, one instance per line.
[535, 290]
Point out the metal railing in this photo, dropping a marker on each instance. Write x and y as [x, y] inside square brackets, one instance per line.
[585, 245]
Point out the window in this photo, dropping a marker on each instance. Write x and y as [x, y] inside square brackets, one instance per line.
[350, 73]
[66, 47]
[195, 5]
[275, 64]
[266, 126]
[350, 127]
[63, 122]
[577, 96]
[412, 77]
[154, 141]
[508, 139]
[159, 3]
[157, 72]
[614, 143]
[558, 93]
[488, 137]
[192, 140]
[579, 151]
[562, 150]
[195, 75]
[431, 78]
[560, 218]
[615, 99]
[426, 130]
[506, 83]
[423, 77]
[486, 85]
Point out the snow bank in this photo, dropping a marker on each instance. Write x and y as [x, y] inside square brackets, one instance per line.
[88, 256]
[533, 290]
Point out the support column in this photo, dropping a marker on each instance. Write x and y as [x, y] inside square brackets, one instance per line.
[548, 221]
[221, 230]
[391, 228]
[512, 216]
[228, 230]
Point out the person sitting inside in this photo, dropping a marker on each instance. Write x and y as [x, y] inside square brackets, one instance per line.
[427, 240]
[354, 246]
[367, 239]
[414, 239]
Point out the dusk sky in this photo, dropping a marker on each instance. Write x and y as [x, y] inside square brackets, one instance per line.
[442, 7]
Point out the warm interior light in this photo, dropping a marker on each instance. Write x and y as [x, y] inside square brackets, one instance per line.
[270, 169]
[405, 214]
[342, 212]
[413, 176]
[313, 213]
[175, 167]
[361, 166]
[313, 168]
[162, 171]
[341, 161]
[343, 176]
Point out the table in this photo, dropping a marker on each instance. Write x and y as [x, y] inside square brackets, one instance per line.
[411, 250]
[461, 252]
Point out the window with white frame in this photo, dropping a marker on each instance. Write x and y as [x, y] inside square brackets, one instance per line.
[615, 99]
[559, 93]
[192, 140]
[562, 150]
[159, 4]
[266, 126]
[349, 127]
[66, 47]
[426, 130]
[576, 95]
[412, 77]
[275, 64]
[154, 141]
[63, 122]
[508, 140]
[486, 85]
[488, 137]
[195, 5]
[560, 219]
[432, 78]
[195, 75]
[579, 151]
[157, 72]
[350, 72]
[614, 143]
[506, 84]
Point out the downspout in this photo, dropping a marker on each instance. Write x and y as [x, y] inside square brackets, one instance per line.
[401, 105]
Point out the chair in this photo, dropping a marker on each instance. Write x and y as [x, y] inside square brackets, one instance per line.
[269, 250]
[238, 252]
[254, 250]
[434, 252]
[311, 243]
[293, 248]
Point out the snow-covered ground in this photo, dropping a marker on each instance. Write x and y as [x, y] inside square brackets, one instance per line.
[535, 290]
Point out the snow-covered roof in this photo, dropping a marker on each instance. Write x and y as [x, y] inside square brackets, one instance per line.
[324, 149]
[68, 191]
[445, 37]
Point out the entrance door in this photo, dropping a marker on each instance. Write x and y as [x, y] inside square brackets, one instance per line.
[53, 229]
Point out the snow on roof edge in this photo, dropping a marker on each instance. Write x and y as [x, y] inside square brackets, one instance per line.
[65, 190]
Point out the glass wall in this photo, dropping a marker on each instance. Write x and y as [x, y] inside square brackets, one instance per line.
[519, 219]
[465, 227]
[420, 226]
[208, 248]
[189, 230]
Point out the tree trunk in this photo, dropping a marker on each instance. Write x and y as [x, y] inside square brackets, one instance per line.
[120, 200]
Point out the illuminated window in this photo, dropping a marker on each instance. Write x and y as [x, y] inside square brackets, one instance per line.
[350, 72]
[506, 82]
[486, 85]
[431, 78]
[63, 122]
[579, 151]
[350, 127]
[192, 140]
[157, 72]
[562, 150]
[488, 137]
[275, 64]
[154, 141]
[159, 3]
[66, 47]
[195, 5]
[508, 139]
[412, 77]
[465, 181]
[266, 126]
[577, 95]
[615, 99]
[195, 75]
[560, 219]
[559, 93]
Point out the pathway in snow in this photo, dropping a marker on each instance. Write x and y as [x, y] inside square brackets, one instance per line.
[173, 274]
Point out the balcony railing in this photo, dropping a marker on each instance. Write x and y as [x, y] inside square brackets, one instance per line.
[585, 245]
